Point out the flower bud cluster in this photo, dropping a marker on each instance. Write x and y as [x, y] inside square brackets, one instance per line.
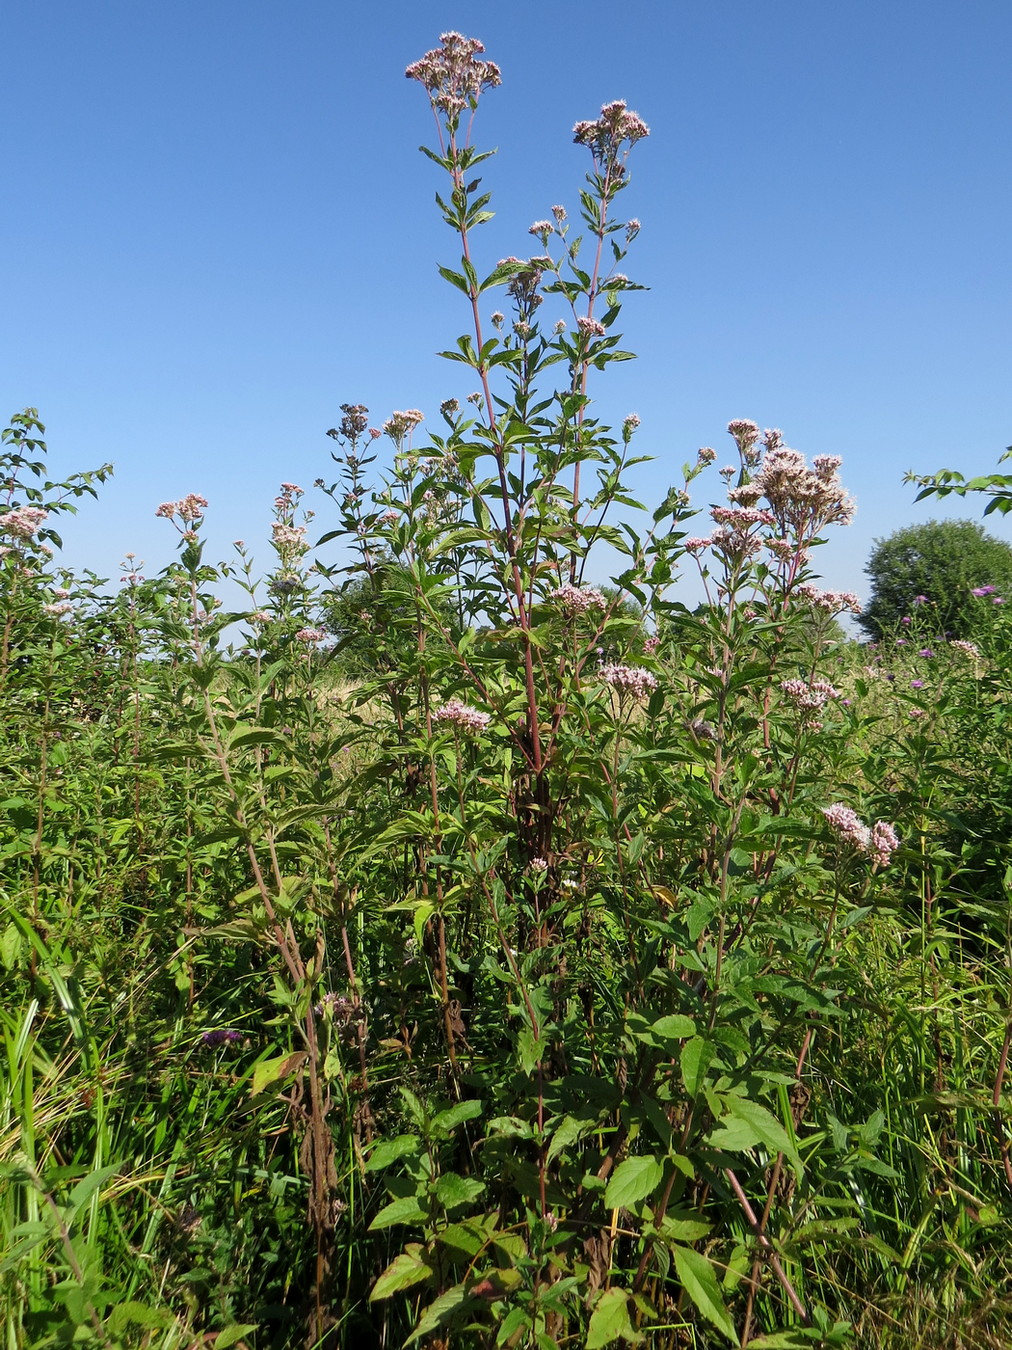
[189, 508]
[969, 649]
[879, 842]
[833, 602]
[461, 715]
[401, 424]
[578, 599]
[607, 135]
[808, 698]
[23, 521]
[633, 680]
[452, 73]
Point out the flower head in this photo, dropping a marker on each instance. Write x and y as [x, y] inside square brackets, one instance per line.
[578, 599]
[453, 74]
[616, 128]
[462, 715]
[23, 521]
[633, 680]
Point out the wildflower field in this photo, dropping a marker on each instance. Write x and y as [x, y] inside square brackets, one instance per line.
[583, 966]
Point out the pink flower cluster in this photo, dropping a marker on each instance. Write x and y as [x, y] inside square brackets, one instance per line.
[452, 73]
[188, 508]
[578, 599]
[879, 842]
[590, 327]
[458, 714]
[288, 538]
[632, 680]
[802, 499]
[808, 698]
[310, 635]
[401, 424]
[833, 602]
[23, 521]
[969, 649]
[616, 124]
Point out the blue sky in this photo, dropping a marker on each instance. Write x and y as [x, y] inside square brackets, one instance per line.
[218, 228]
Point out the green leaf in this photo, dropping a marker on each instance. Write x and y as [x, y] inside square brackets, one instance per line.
[437, 1310]
[633, 1181]
[405, 1210]
[610, 1321]
[453, 1190]
[136, 1314]
[411, 1267]
[456, 1115]
[390, 1150]
[766, 1127]
[271, 1071]
[233, 1333]
[695, 1060]
[667, 1030]
[700, 1283]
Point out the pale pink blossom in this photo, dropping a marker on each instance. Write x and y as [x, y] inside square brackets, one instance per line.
[632, 680]
[578, 599]
[23, 521]
[456, 713]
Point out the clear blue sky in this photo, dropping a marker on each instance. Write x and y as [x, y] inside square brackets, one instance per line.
[217, 228]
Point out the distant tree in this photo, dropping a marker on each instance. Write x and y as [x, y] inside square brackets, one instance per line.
[364, 606]
[941, 561]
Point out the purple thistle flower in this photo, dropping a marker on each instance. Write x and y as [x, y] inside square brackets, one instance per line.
[213, 1039]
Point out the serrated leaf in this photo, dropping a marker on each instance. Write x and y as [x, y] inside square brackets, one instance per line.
[410, 1268]
[437, 1310]
[453, 1190]
[390, 1150]
[700, 1283]
[633, 1181]
[696, 1057]
[766, 1126]
[456, 1115]
[675, 1027]
[610, 1321]
[406, 1209]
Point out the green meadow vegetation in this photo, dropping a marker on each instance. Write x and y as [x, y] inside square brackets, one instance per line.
[445, 950]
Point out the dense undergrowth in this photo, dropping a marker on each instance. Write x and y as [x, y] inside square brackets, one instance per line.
[591, 969]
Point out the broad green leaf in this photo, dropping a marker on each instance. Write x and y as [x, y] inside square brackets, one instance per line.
[270, 1071]
[437, 1310]
[411, 1267]
[674, 1028]
[456, 1115]
[766, 1127]
[695, 1060]
[700, 1283]
[132, 1313]
[404, 1210]
[390, 1150]
[610, 1321]
[633, 1181]
[453, 1190]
